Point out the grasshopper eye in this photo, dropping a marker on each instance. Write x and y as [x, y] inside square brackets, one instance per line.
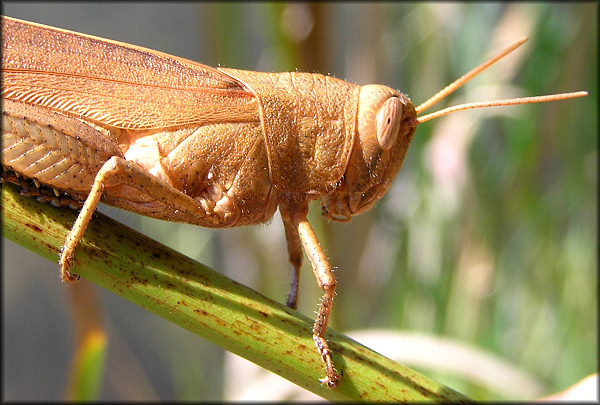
[388, 122]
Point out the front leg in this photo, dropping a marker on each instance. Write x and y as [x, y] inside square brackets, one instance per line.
[326, 280]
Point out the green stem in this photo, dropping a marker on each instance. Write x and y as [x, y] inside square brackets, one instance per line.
[212, 306]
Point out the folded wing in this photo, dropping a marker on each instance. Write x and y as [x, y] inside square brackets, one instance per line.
[114, 84]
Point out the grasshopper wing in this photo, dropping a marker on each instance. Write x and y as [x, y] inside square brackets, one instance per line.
[114, 84]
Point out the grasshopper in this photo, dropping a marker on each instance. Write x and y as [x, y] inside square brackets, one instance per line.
[87, 119]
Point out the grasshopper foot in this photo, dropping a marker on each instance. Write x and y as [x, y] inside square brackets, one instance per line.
[65, 263]
[332, 377]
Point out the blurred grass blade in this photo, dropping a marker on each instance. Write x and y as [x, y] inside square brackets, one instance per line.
[88, 368]
[91, 340]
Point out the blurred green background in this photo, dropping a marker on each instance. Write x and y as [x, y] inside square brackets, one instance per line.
[488, 236]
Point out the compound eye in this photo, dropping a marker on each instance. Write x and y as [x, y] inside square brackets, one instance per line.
[388, 122]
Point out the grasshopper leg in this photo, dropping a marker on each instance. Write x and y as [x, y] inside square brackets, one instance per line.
[114, 172]
[327, 282]
[295, 254]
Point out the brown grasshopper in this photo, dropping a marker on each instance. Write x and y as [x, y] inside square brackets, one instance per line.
[87, 119]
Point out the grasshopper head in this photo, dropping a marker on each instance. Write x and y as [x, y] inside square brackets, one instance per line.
[386, 123]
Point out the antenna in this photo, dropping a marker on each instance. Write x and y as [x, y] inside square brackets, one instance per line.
[484, 104]
[499, 103]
